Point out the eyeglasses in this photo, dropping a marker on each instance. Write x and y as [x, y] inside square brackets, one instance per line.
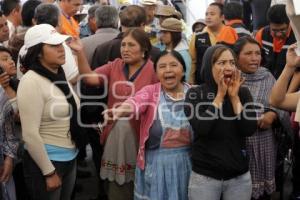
[276, 31]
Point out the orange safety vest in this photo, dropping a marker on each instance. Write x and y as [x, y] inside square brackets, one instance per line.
[69, 26]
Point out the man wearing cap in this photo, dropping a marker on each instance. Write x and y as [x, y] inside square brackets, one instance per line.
[69, 8]
[214, 32]
[150, 7]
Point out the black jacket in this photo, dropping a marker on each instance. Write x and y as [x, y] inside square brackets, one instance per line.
[275, 62]
[218, 150]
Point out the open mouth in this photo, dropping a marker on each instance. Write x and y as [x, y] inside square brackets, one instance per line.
[253, 66]
[169, 79]
[227, 77]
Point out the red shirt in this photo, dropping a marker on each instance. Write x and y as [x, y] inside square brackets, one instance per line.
[119, 88]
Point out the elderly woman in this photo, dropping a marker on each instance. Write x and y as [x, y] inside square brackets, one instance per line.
[171, 37]
[163, 166]
[46, 101]
[123, 78]
[261, 146]
[220, 113]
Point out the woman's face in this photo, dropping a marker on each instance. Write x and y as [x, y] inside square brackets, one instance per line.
[131, 51]
[169, 71]
[7, 63]
[165, 37]
[224, 66]
[53, 56]
[249, 58]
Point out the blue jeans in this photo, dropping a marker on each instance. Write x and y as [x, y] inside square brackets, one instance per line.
[207, 188]
[36, 184]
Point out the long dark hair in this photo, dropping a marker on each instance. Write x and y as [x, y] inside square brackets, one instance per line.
[176, 38]
[211, 55]
[31, 58]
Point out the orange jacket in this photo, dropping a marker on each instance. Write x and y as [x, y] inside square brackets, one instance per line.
[277, 43]
[69, 26]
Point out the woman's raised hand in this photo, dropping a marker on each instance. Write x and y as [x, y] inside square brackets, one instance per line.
[222, 86]
[75, 44]
[235, 84]
[292, 60]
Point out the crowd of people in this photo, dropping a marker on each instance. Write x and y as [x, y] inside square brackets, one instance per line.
[171, 112]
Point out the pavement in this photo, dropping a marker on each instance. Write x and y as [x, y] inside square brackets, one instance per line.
[88, 187]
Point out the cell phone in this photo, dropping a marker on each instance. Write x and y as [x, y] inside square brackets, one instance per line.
[1, 70]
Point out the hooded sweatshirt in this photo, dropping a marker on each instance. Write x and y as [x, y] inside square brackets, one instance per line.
[218, 150]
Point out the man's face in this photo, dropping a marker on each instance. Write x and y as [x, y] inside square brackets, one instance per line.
[92, 24]
[4, 31]
[279, 30]
[70, 7]
[213, 16]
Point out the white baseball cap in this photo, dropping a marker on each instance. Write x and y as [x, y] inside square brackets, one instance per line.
[43, 33]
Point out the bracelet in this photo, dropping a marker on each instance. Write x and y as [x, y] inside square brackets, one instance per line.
[50, 174]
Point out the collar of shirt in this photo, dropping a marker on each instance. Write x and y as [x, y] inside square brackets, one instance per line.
[234, 21]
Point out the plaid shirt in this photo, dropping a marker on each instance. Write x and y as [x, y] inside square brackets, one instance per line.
[9, 142]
